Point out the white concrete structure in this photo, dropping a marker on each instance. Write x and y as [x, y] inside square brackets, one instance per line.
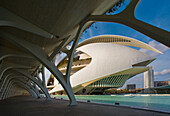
[112, 62]
[32, 32]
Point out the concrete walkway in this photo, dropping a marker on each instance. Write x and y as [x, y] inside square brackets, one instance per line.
[29, 106]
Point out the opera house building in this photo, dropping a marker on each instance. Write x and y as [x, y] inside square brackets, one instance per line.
[103, 62]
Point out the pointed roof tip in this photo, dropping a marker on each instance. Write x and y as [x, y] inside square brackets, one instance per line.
[161, 52]
[156, 50]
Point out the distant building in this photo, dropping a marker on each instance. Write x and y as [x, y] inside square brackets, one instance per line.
[131, 86]
[149, 78]
[161, 83]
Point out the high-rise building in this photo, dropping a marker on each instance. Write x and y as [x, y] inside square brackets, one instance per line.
[149, 78]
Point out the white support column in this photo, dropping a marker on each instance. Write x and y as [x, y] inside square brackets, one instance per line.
[36, 91]
[70, 53]
[33, 87]
[27, 74]
[37, 77]
[9, 19]
[39, 54]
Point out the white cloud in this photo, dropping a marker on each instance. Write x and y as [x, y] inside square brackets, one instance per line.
[156, 45]
[163, 72]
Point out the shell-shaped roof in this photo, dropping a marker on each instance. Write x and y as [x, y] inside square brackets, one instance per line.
[117, 39]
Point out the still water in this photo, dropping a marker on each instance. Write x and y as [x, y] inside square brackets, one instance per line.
[151, 102]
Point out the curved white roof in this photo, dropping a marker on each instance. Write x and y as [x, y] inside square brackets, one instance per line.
[117, 39]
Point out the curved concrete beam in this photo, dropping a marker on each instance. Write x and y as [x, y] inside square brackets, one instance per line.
[6, 66]
[6, 85]
[32, 93]
[4, 80]
[9, 19]
[12, 75]
[26, 73]
[39, 54]
[127, 18]
[5, 95]
[33, 87]
[43, 75]
[19, 78]
[7, 52]
[13, 93]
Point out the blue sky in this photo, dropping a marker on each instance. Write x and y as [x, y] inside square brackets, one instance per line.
[154, 12]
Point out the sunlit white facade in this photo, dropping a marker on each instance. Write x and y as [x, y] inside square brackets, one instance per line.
[112, 63]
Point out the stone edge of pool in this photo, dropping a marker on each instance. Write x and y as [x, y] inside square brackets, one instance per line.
[121, 106]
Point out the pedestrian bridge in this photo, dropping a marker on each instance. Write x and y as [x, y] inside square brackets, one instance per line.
[32, 32]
